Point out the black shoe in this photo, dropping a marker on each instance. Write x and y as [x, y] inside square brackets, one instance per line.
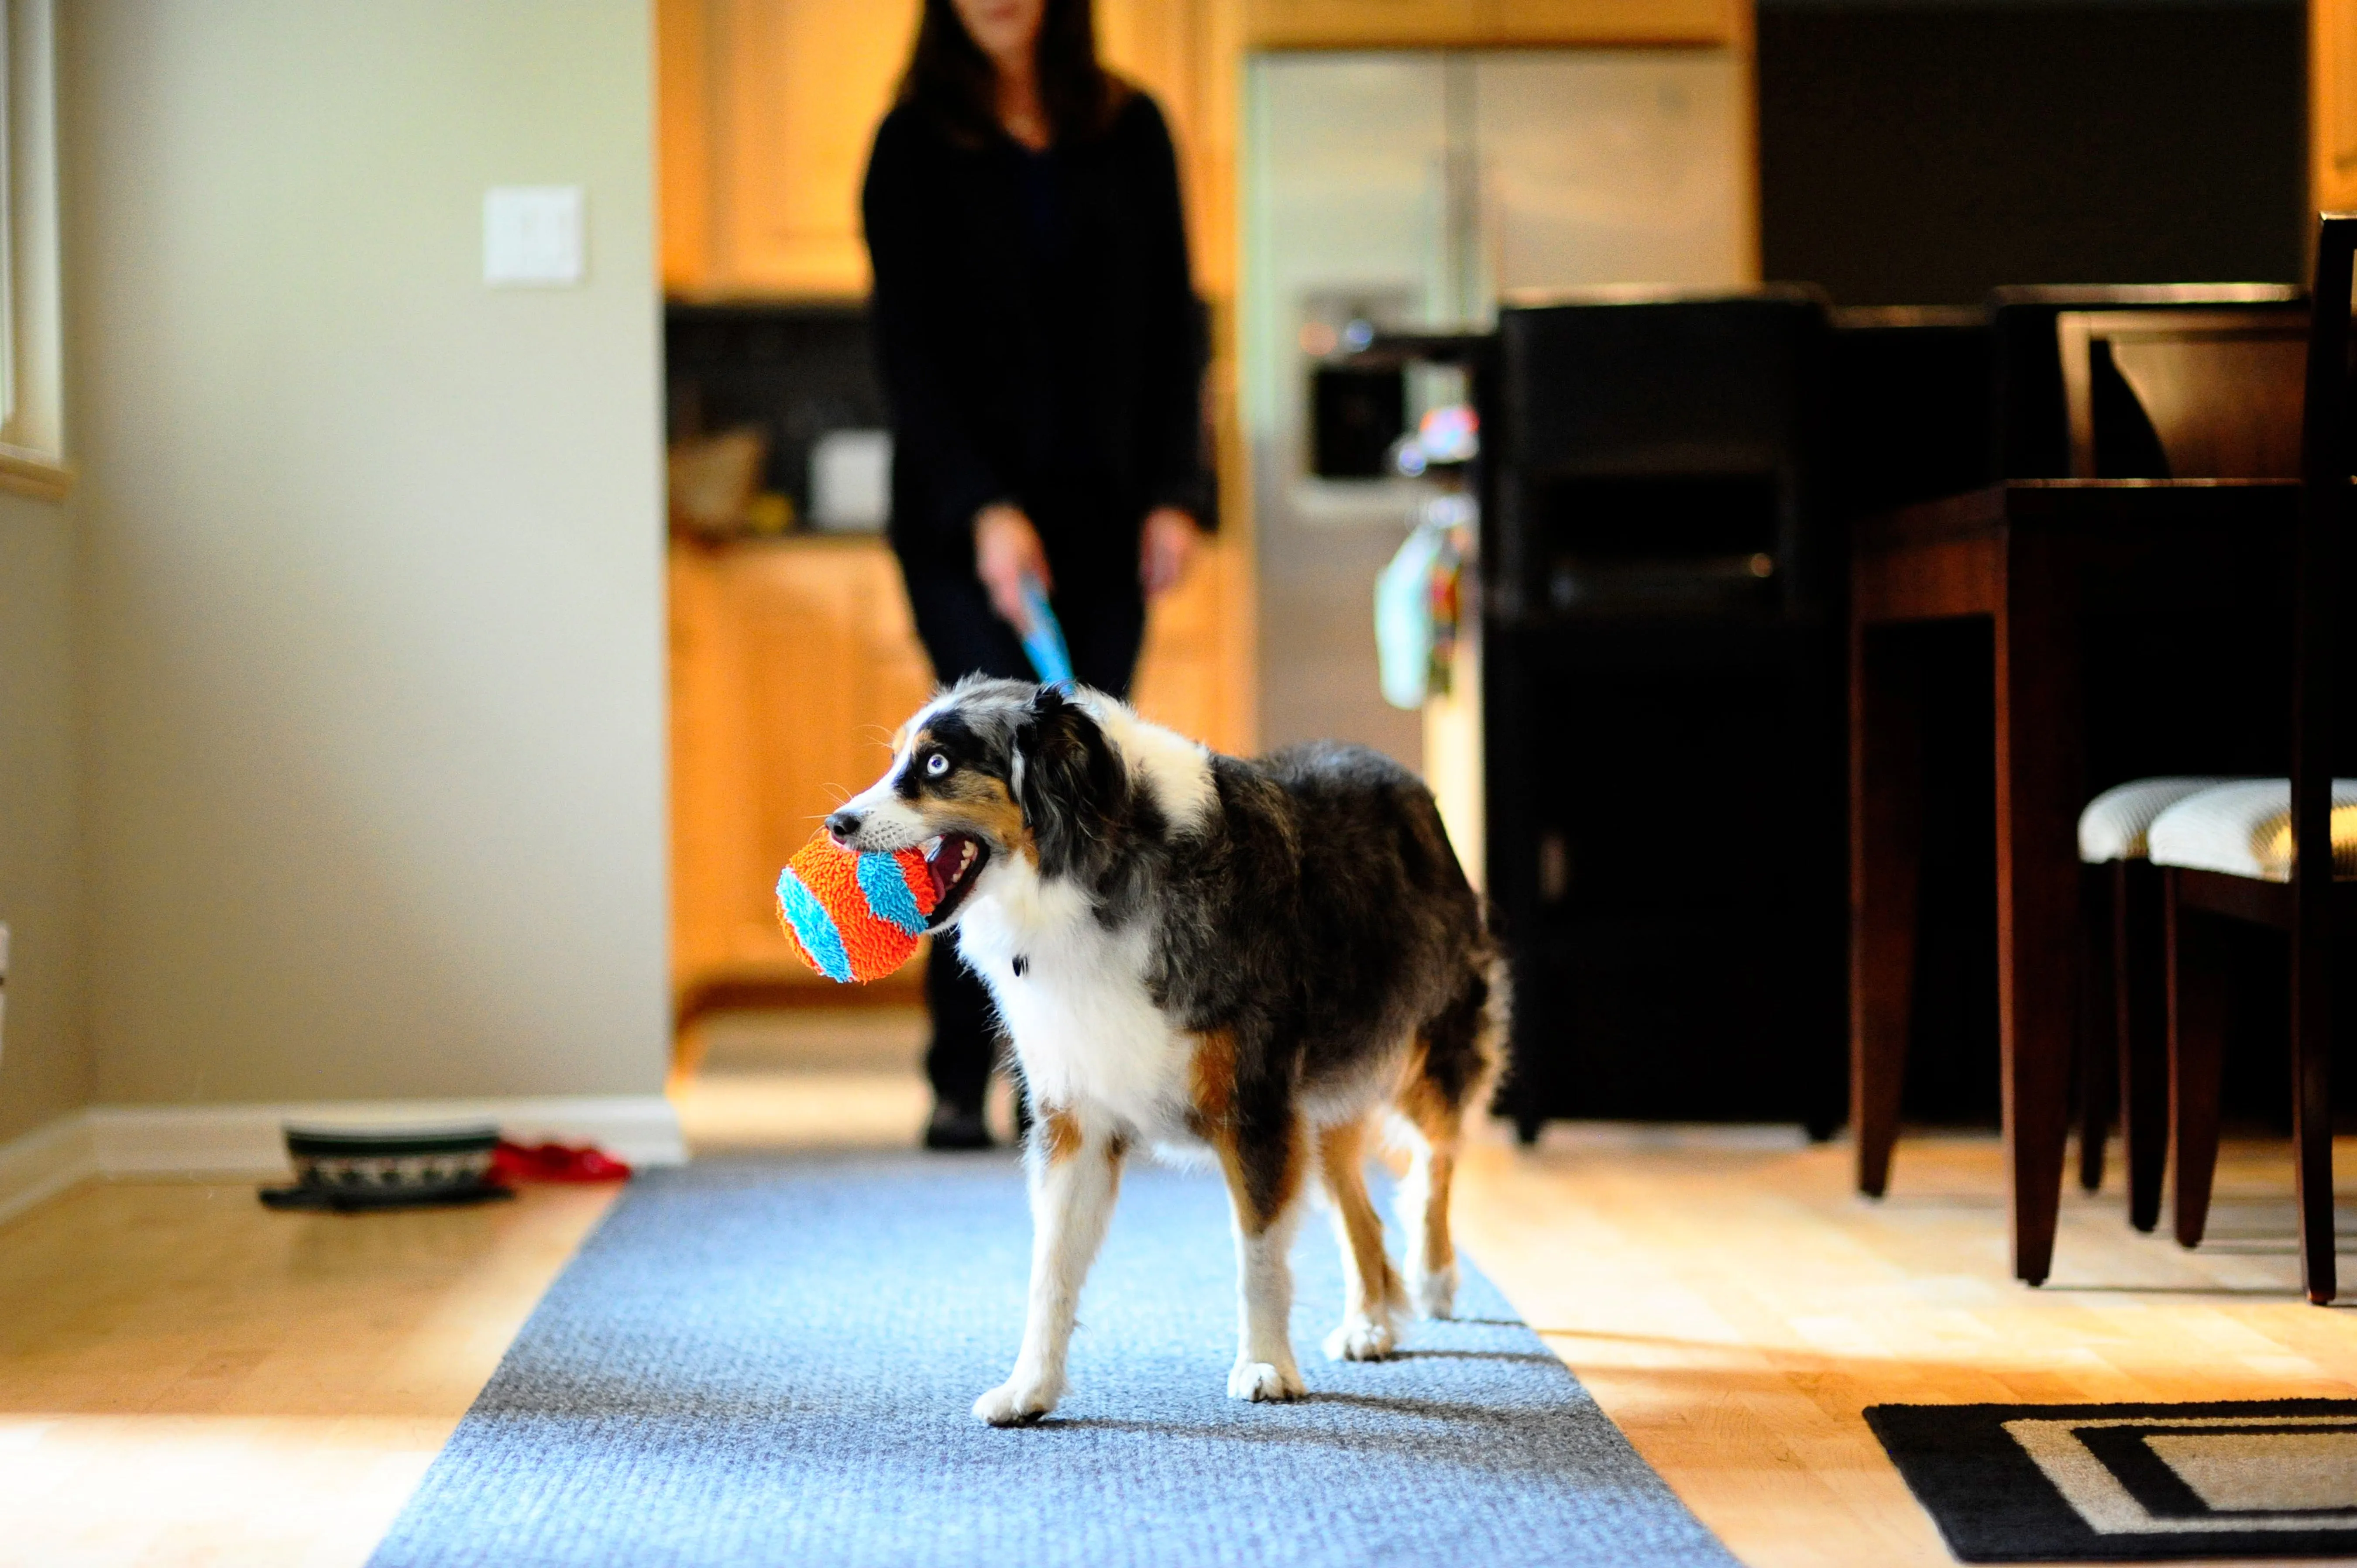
[952, 1128]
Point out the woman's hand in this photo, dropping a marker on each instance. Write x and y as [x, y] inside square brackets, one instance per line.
[1007, 549]
[1166, 550]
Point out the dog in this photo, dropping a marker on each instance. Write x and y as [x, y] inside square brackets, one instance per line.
[1211, 957]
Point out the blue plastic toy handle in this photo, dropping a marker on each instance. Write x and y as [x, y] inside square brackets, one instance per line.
[1044, 643]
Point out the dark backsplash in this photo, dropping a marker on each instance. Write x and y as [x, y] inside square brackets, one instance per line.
[796, 372]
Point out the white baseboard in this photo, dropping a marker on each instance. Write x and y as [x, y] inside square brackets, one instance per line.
[45, 1162]
[247, 1140]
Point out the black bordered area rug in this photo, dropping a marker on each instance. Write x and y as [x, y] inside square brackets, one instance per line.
[2131, 1482]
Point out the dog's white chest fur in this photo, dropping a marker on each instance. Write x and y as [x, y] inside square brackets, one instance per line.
[1079, 1013]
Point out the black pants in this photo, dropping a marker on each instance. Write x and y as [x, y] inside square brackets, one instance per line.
[1105, 623]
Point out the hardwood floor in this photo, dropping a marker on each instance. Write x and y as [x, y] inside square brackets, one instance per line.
[188, 1379]
[806, 1079]
[1733, 1305]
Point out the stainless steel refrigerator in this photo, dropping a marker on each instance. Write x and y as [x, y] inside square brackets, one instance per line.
[1414, 189]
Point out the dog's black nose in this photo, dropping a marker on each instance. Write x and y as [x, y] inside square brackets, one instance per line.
[843, 824]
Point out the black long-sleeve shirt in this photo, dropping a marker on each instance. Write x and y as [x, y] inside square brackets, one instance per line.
[1038, 334]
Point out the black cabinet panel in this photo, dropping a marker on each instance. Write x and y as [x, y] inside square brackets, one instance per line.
[1662, 693]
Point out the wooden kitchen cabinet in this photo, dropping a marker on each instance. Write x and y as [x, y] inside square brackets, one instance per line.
[793, 662]
[1491, 24]
[2333, 104]
[767, 108]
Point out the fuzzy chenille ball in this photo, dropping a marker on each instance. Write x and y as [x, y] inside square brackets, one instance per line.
[854, 916]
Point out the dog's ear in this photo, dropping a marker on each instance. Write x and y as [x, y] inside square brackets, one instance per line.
[1070, 784]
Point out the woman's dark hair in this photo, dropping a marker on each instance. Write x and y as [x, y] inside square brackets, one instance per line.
[949, 75]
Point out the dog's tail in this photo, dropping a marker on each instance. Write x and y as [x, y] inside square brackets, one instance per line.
[1494, 1036]
[1465, 1044]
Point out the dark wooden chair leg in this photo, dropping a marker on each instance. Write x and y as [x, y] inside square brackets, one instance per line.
[2197, 1021]
[2313, 952]
[2320, 906]
[2039, 791]
[2099, 1055]
[1886, 854]
[2140, 1005]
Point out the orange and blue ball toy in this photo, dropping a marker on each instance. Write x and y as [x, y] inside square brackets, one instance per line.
[854, 916]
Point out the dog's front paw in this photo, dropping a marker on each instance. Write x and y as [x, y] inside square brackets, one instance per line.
[1435, 1294]
[1361, 1338]
[1264, 1380]
[1017, 1401]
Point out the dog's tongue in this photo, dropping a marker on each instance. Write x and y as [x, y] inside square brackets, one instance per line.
[948, 858]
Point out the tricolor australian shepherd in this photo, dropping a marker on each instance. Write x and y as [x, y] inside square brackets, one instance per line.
[1253, 961]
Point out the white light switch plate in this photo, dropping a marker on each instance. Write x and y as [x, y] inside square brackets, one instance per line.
[533, 236]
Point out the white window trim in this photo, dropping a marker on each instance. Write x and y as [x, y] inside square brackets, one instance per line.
[32, 392]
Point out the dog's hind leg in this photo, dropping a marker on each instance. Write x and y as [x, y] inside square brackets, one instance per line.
[1372, 1287]
[1423, 1214]
[1075, 1172]
[1454, 1054]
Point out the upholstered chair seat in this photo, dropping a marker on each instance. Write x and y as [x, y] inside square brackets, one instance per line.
[2244, 830]
[2115, 825]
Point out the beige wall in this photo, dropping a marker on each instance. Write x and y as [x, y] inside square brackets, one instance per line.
[45, 1066]
[369, 588]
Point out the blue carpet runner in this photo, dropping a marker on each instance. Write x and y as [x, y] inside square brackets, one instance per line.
[770, 1363]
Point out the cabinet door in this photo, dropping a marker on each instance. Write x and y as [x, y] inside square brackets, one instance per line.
[831, 669]
[769, 108]
[2332, 97]
[683, 142]
[792, 665]
[714, 842]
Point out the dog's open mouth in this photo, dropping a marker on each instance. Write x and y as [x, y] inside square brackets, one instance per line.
[954, 861]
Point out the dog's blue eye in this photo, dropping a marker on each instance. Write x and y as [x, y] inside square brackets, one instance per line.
[937, 765]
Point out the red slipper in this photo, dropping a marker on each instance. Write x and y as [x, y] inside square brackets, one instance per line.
[555, 1162]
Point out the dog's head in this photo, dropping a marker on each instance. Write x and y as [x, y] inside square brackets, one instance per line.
[997, 774]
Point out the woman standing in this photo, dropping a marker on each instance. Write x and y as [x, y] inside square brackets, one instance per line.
[1038, 334]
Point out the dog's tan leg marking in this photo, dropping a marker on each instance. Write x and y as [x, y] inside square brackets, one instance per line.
[1264, 1192]
[1071, 1199]
[1424, 1194]
[1263, 1204]
[1060, 1135]
[1211, 1083]
[1372, 1287]
[1264, 1195]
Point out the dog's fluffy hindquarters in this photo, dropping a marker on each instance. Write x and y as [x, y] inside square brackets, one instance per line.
[1252, 961]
